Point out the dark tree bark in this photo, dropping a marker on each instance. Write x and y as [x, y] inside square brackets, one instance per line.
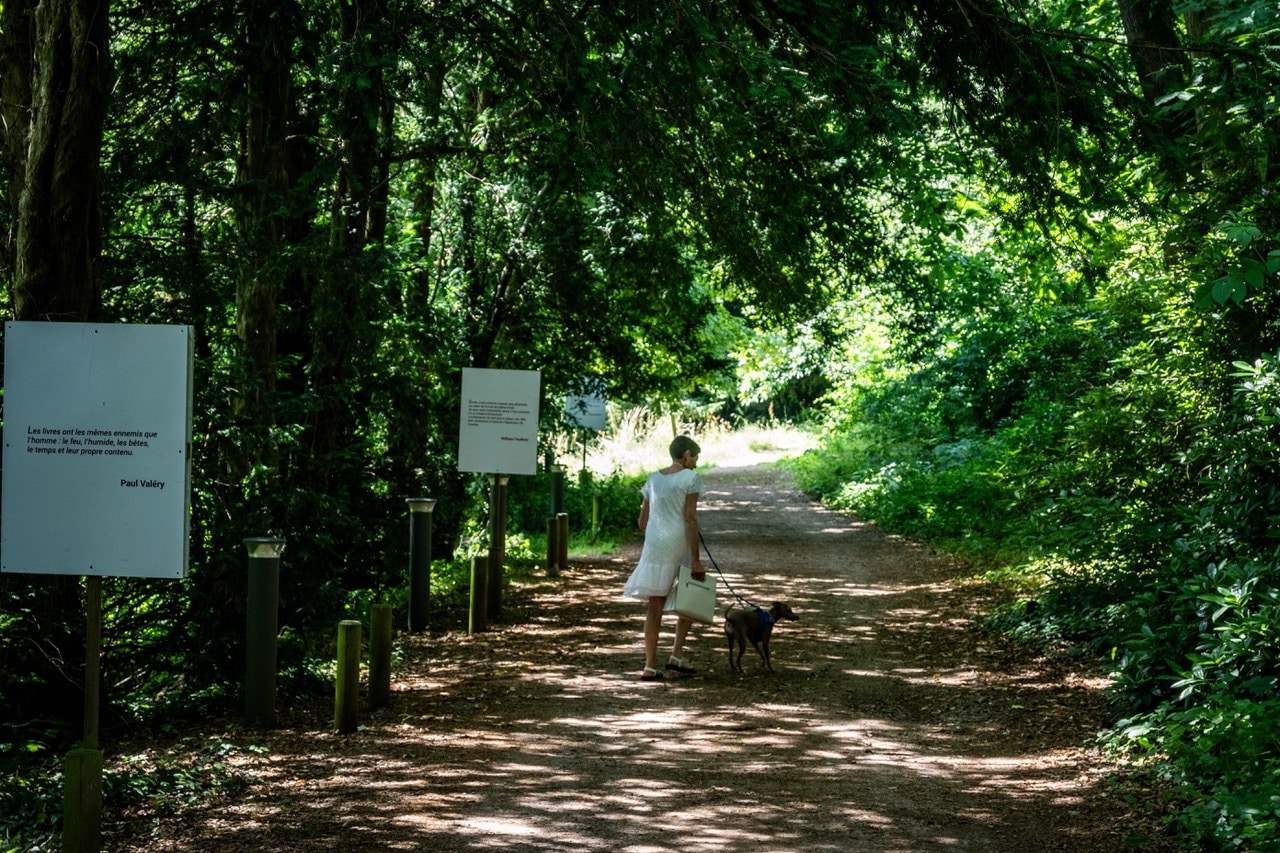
[1161, 62]
[57, 78]
[1150, 28]
[339, 316]
[262, 181]
[17, 51]
[58, 220]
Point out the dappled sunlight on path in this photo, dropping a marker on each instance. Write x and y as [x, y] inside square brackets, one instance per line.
[891, 723]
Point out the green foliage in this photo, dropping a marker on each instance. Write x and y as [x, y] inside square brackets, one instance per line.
[151, 785]
[1134, 499]
[953, 237]
[1212, 626]
[529, 502]
[158, 784]
[186, 775]
[944, 495]
[1074, 611]
[1249, 268]
[1064, 415]
[1221, 757]
[31, 798]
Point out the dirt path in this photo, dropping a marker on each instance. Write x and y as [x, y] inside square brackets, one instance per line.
[891, 723]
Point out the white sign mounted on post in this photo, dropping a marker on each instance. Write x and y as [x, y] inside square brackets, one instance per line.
[498, 430]
[586, 406]
[97, 435]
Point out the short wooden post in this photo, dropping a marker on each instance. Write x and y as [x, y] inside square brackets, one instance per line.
[557, 489]
[553, 546]
[420, 510]
[82, 768]
[562, 539]
[479, 616]
[380, 656]
[346, 695]
[262, 619]
[82, 802]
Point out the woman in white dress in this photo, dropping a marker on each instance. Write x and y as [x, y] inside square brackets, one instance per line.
[669, 519]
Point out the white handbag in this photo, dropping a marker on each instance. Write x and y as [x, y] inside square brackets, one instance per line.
[694, 599]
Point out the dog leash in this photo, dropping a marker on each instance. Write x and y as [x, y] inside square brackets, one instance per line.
[724, 580]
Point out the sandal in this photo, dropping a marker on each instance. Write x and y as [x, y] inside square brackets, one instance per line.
[650, 674]
[678, 665]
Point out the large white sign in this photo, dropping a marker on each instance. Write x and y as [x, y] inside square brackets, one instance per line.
[498, 431]
[97, 433]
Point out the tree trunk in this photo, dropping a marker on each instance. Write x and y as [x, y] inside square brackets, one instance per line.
[17, 49]
[262, 180]
[1157, 54]
[339, 309]
[57, 81]
[1161, 63]
[57, 260]
[418, 295]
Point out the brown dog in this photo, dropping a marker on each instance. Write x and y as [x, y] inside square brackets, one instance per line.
[757, 627]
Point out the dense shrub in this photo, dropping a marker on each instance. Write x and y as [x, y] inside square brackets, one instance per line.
[1134, 503]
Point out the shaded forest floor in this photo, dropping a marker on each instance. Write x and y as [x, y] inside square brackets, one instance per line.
[891, 723]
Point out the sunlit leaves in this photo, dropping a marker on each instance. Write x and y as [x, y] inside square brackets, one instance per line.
[1241, 233]
[1248, 271]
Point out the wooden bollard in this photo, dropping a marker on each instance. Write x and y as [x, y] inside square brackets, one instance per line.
[562, 539]
[82, 804]
[380, 656]
[263, 604]
[553, 547]
[420, 510]
[479, 617]
[346, 694]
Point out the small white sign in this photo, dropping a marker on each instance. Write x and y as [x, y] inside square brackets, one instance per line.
[498, 431]
[586, 407]
[97, 433]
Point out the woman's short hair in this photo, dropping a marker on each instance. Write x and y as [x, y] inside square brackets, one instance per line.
[683, 443]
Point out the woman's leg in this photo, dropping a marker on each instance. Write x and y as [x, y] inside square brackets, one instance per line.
[683, 623]
[652, 628]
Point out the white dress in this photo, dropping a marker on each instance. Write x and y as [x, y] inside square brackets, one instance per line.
[666, 541]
